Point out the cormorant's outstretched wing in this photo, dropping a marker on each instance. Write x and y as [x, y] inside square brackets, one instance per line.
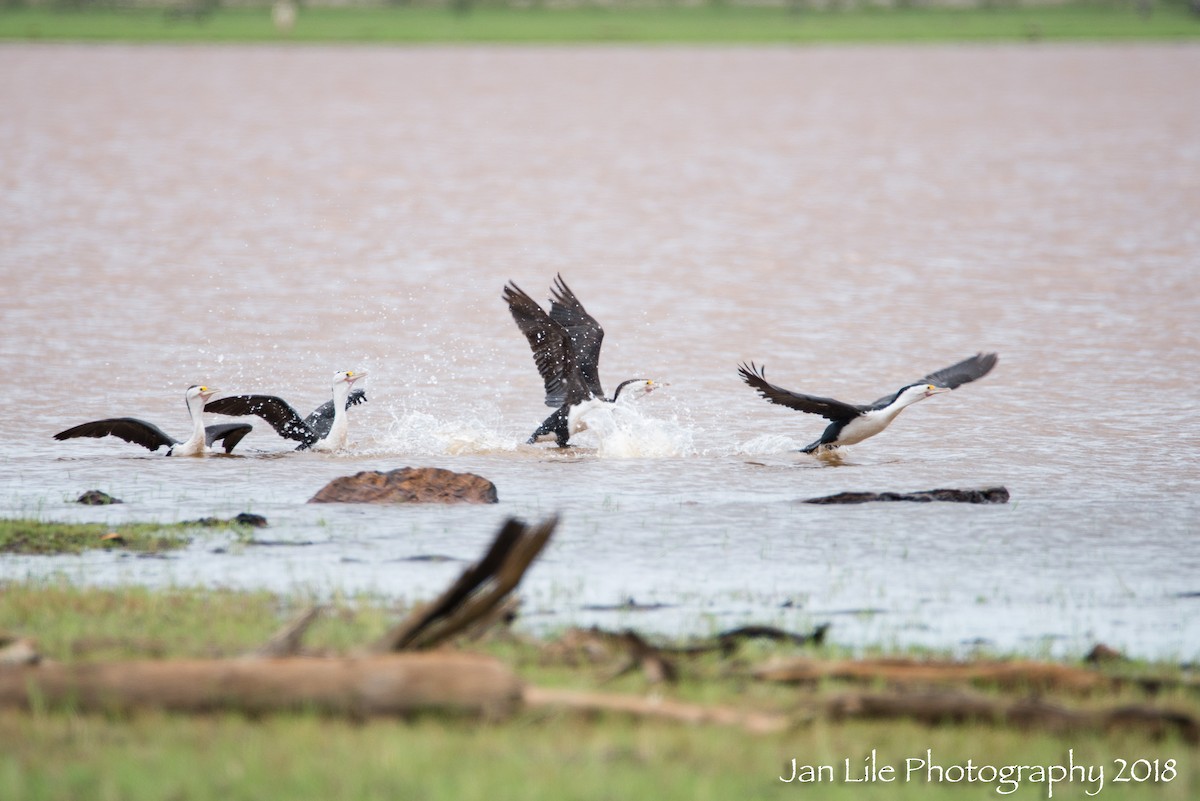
[828, 408]
[130, 429]
[552, 350]
[228, 434]
[321, 418]
[276, 411]
[951, 377]
[964, 372]
[586, 334]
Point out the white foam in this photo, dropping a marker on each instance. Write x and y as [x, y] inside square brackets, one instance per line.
[621, 431]
[614, 431]
[421, 432]
[767, 444]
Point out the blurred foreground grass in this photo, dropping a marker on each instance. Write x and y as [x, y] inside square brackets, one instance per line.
[706, 24]
[60, 755]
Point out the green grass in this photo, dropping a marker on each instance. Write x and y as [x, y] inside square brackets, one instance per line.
[60, 755]
[709, 24]
[41, 537]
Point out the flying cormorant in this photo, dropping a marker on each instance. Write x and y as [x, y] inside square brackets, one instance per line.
[852, 423]
[566, 349]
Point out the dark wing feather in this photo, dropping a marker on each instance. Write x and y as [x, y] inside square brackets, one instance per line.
[129, 429]
[964, 372]
[321, 418]
[828, 408]
[228, 434]
[551, 345]
[276, 411]
[951, 377]
[586, 334]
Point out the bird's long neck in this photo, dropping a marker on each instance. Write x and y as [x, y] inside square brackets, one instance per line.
[341, 420]
[621, 386]
[196, 442]
[906, 398]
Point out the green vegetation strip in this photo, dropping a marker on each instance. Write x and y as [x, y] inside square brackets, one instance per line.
[42, 537]
[536, 756]
[706, 24]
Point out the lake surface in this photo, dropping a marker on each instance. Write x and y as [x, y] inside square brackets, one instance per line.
[256, 218]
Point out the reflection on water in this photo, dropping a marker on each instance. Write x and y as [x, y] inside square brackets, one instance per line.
[257, 218]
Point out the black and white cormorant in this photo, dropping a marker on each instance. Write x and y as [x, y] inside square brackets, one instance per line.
[151, 436]
[323, 430]
[566, 349]
[853, 423]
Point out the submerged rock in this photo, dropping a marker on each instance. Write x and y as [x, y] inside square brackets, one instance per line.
[1102, 653]
[985, 495]
[243, 519]
[96, 498]
[408, 485]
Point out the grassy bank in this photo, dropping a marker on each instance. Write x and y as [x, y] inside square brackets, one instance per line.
[26, 536]
[537, 755]
[711, 24]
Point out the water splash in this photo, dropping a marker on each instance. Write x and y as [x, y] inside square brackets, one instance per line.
[621, 431]
[765, 444]
[422, 432]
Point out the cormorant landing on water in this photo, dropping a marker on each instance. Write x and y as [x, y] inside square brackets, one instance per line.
[323, 430]
[852, 423]
[566, 348]
[151, 436]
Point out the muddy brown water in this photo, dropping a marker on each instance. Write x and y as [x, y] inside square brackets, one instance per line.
[256, 218]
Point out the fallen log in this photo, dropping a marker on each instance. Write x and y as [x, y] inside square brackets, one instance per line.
[379, 685]
[287, 641]
[985, 495]
[1010, 675]
[654, 708]
[478, 593]
[957, 707]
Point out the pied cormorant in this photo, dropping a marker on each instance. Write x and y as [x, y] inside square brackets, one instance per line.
[566, 349]
[151, 436]
[852, 423]
[323, 430]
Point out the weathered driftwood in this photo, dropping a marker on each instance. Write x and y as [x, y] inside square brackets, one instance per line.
[596, 645]
[479, 591]
[936, 708]
[377, 685]
[985, 495]
[1010, 675]
[931, 709]
[17, 651]
[655, 708]
[287, 640]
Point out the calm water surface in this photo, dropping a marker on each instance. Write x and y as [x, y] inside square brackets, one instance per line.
[257, 218]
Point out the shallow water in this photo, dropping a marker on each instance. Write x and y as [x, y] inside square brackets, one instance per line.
[258, 217]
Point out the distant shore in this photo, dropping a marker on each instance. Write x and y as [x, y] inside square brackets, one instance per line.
[700, 727]
[200, 21]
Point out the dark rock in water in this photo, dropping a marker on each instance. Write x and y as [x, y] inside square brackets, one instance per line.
[96, 498]
[408, 485]
[628, 605]
[1104, 654]
[986, 495]
[244, 519]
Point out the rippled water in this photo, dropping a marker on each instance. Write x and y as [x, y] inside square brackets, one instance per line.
[258, 217]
